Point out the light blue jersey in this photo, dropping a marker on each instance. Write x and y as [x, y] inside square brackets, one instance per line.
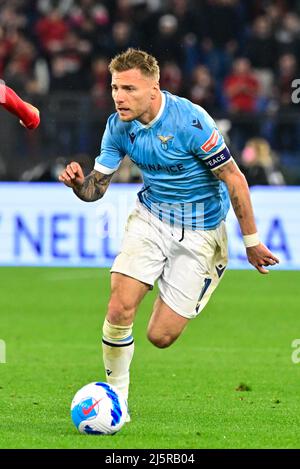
[176, 154]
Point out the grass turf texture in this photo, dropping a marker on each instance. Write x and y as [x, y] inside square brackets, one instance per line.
[228, 382]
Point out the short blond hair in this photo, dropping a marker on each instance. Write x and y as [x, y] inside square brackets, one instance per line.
[135, 58]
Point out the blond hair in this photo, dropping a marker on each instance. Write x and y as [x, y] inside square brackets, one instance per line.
[262, 149]
[135, 58]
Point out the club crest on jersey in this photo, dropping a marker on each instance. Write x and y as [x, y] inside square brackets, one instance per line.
[164, 141]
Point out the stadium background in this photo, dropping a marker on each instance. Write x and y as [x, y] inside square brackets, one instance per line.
[239, 60]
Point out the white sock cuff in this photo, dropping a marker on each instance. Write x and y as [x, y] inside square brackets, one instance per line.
[117, 335]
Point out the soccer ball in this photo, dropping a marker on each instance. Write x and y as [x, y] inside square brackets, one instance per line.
[98, 409]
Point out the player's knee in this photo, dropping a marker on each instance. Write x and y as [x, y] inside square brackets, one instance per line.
[120, 311]
[160, 340]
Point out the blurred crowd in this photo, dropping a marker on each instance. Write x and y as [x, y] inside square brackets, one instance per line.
[229, 56]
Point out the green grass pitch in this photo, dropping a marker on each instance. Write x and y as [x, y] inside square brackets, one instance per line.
[228, 382]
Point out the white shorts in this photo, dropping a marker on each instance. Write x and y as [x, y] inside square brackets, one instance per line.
[187, 264]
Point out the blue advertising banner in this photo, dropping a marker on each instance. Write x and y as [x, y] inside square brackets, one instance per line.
[45, 224]
[276, 211]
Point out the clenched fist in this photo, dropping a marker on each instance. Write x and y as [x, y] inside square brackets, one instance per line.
[72, 176]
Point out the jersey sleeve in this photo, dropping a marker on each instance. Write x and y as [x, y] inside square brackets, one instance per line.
[207, 142]
[111, 155]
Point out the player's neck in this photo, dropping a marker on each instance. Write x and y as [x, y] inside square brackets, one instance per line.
[153, 111]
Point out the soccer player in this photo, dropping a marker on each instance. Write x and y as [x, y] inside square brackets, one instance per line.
[28, 115]
[177, 233]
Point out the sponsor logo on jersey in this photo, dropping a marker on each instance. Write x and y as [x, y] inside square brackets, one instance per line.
[132, 137]
[164, 141]
[171, 169]
[196, 123]
[211, 142]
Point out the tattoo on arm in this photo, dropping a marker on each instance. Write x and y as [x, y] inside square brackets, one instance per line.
[235, 200]
[218, 172]
[227, 174]
[239, 195]
[226, 170]
[94, 186]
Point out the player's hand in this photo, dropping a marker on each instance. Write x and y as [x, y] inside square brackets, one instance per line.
[72, 176]
[260, 257]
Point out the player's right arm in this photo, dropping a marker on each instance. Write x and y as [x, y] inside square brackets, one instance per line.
[87, 188]
[94, 186]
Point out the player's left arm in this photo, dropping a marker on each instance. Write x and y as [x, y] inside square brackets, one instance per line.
[258, 255]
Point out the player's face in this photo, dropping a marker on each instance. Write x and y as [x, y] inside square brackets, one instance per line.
[135, 95]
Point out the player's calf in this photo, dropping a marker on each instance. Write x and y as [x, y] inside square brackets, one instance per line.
[165, 325]
[160, 340]
[120, 311]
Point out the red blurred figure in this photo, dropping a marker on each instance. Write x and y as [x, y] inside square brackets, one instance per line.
[29, 115]
[241, 87]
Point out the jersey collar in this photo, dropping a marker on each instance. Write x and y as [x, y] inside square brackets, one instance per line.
[158, 115]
